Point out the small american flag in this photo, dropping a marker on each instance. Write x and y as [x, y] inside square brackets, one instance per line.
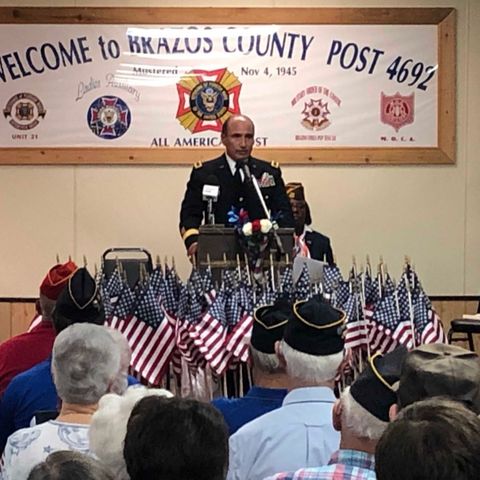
[385, 319]
[428, 326]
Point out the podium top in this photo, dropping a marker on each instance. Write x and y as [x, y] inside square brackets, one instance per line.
[220, 245]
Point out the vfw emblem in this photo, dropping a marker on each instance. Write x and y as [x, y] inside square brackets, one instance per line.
[108, 117]
[206, 99]
[397, 110]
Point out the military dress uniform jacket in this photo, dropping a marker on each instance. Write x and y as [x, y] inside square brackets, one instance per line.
[269, 178]
[319, 246]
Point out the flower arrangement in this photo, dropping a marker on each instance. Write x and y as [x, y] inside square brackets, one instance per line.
[254, 237]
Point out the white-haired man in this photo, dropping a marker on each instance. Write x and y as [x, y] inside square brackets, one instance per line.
[269, 376]
[300, 433]
[361, 416]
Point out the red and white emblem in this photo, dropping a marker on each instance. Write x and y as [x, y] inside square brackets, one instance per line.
[397, 110]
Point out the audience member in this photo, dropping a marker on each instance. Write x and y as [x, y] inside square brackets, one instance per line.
[361, 415]
[176, 439]
[434, 439]
[70, 465]
[85, 362]
[109, 426]
[299, 433]
[33, 391]
[269, 377]
[23, 351]
[439, 370]
[308, 243]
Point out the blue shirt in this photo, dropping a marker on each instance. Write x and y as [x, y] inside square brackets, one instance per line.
[27, 393]
[344, 465]
[298, 434]
[258, 401]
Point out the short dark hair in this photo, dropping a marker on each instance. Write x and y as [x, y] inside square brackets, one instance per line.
[175, 438]
[438, 439]
[71, 465]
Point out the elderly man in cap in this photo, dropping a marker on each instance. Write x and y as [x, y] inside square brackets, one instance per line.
[438, 370]
[23, 351]
[269, 377]
[300, 433]
[361, 416]
[33, 391]
[308, 243]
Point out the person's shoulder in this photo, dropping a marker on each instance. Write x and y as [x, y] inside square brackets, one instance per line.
[208, 165]
[32, 374]
[271, 166]
[318, 235]
[260, 425]
[24, 437]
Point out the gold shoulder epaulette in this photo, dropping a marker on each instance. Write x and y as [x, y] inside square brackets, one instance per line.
[197, 165]
[274, 164]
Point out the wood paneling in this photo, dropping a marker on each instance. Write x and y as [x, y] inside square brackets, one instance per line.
[15, 317]
[5, 321]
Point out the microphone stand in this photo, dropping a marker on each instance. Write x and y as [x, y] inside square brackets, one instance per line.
[210, 214]
[252, 180]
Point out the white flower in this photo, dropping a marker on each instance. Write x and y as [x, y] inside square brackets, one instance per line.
[247, 229]
[265, 225]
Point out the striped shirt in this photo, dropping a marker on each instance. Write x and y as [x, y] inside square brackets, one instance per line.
[343, 465]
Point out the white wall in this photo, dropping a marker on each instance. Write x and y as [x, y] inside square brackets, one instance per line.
[431, 213]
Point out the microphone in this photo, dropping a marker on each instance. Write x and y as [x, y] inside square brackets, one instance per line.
[246, 169]
[211, 189]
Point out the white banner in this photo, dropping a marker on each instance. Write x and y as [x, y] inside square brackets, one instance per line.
[174, 86]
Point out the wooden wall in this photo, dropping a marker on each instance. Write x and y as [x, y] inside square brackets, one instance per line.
[15, 316]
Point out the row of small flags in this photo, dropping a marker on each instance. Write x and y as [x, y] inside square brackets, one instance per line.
[201, 325]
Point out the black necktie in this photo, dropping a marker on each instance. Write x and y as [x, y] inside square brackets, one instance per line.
[237, 178]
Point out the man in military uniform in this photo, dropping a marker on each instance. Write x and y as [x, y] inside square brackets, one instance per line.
[235, 190]
[308, 243]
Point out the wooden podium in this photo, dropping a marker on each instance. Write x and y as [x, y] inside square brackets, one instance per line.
[219, 245]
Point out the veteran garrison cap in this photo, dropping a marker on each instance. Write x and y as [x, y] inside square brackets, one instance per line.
[79, 302]
[437, 369]
[315, 327]
[295, 191]
[375, 389]
[269, 325]
[56, 279]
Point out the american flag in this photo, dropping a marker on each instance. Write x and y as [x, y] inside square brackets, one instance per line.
[356, 331]
[370, 289]
[286, 282]
[188, 316]
[331, 278]
[428, 326]
[384, 321]
[404, 333]
[303, 290]
[210, 333]
[114, 285]
[341, 295]
[208, 285]
[157, 282]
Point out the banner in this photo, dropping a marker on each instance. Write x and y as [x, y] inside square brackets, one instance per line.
[174, 85]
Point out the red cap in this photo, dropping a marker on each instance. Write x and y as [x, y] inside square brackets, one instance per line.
[56, 279]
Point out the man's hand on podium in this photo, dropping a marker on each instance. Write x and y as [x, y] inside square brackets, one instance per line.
[192, 251]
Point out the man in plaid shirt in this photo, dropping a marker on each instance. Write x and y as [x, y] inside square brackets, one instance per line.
[361, 415]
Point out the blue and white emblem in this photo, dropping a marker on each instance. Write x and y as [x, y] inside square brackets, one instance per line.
[74, 437]
[108, 117]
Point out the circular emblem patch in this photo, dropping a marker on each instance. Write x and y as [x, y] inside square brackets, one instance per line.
[209, 100]
[108, 117]
[24, 111]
